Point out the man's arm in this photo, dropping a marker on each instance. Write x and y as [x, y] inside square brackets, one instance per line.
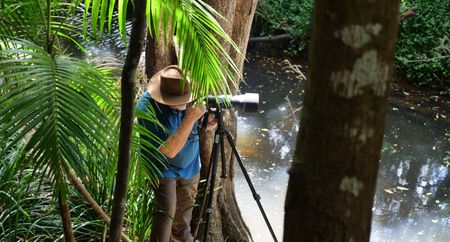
[172, 146]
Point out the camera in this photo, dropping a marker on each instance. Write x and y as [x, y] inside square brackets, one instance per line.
[247, 102]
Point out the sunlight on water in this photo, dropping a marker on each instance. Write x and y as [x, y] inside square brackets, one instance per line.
[272, 189]
[412, 203]
[270, 181]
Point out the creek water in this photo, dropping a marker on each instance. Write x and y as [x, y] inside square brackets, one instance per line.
[412, 198]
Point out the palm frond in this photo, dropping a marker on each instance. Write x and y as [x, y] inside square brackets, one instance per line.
[35, 21]
[22, 20]
[146, 144]
[60, 101]
[198, 34]
[211, 68]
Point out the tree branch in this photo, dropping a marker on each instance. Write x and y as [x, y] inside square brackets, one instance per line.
[78, 184]
[406, 14]
[270, 38]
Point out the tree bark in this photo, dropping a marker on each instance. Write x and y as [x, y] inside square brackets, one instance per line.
[332, 180]
[227, 223]
[159, 53]
[128, 85]
[64, 211]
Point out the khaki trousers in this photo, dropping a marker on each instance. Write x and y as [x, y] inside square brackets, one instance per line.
[175, 200]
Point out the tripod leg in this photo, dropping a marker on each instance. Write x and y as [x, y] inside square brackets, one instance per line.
[249, 182]
[204, 197]
[213, 164]
[205, 193]
[222, 154]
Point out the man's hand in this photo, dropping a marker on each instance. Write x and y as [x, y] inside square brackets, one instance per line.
[212, 122]
[195, 111]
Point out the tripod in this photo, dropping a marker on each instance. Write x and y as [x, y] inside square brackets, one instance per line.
[212, 171]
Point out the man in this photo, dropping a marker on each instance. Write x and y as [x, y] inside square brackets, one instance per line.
[177, 189]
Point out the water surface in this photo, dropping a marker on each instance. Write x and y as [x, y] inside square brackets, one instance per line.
[411, 202]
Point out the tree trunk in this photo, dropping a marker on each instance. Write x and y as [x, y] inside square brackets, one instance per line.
[128, 85]
[64, 211]
[159, 54]
[226, 222]
[332, 180]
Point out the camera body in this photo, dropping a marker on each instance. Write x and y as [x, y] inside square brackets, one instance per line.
[247, 102]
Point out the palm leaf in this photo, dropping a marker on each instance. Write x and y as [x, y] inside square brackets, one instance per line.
[58, 103]
[20, 19]
[31, 21]
[146, 144]
[210, 67]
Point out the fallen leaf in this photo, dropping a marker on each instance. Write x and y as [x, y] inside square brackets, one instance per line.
[389, 191]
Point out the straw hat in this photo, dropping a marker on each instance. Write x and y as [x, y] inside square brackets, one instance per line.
[166, 87]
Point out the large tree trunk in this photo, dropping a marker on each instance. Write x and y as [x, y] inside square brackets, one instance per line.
[226, 222]
[159, 53]
[332, 180]
[128, 85]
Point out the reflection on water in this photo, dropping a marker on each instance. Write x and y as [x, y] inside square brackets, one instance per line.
[266, 164]
[412, 199]
[412, 202]
[266, 141]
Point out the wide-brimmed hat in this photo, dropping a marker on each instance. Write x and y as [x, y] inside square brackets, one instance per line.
[167, 87]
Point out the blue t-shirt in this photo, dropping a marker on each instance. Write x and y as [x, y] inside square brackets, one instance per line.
[186, 163]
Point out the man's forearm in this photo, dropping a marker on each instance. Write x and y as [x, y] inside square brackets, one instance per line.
[172, 146]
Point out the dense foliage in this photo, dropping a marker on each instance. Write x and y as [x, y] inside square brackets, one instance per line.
[28, 211]
[295, 20]
[59, 115]
[423, 49]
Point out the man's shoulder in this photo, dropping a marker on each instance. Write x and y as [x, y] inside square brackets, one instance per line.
[144, 101]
